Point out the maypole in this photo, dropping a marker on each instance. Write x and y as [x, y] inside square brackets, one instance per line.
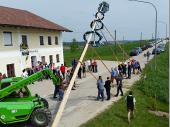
[102, 9]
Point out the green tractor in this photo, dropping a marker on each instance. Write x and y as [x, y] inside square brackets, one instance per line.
[18, 105]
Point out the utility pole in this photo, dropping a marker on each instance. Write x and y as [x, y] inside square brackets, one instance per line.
[158, 35]
[115, 41]
[140, 39]
[123, 47]
[152, 37]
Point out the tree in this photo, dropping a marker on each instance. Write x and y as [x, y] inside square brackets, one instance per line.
[74, 45]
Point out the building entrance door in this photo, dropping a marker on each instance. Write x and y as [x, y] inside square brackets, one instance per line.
[33, 61]
[10, 70]
[43, 59]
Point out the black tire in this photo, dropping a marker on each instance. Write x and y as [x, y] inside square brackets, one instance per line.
[41, 117]
[45, 102]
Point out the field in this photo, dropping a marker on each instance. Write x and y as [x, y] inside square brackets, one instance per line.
[150, 93]
[106, 52]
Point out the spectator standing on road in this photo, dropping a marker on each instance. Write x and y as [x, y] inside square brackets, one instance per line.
[4, 76]
[1, 76]
[139, 68]
[95, 66]
[61, 92]
[24, 73]
[79, 72]
[74, 63]
[71, 75]
[120, 68]
[57, 86]
[124, 67]
[112, 75]
[108, 87]
[53, 68]
[132, 64]
[68, 77]
[119, 85]
[129, 70]
[100, 87]
[130, 99]
[92, 65]
[136, 67]
[88, 65]
[148, 55]
[84, 70]
[63, 69]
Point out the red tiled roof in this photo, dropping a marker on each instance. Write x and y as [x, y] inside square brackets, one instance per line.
[17, 17]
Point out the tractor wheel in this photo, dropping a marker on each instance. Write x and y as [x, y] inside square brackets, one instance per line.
[41, 117]
[45, 102]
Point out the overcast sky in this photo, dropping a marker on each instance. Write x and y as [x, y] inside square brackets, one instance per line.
[128, 18]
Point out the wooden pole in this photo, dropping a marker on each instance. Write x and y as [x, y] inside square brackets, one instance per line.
[64, 101]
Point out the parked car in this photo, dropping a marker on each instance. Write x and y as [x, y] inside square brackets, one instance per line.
[144, 47]
[139, 49]
[134, 52]
[150, 45]
[161, 45]
[156, 51]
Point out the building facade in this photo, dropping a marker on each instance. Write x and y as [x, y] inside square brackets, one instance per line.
[27, 39]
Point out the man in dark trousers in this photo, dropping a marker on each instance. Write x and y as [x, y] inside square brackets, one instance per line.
[130, 105]
[107, 87]
[129, 70]
[57, 87]
[119, 85]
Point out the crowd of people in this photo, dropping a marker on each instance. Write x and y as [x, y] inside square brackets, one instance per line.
[122, 71]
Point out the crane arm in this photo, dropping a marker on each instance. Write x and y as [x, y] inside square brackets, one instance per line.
[27, 81]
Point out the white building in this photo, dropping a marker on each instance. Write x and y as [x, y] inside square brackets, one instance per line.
[22, 32]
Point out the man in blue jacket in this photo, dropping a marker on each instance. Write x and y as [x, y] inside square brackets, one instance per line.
[100, 86]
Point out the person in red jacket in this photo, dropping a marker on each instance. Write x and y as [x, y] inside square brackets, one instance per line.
[62, 69]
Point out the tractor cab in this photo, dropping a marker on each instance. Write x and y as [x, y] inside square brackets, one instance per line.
[20, 93]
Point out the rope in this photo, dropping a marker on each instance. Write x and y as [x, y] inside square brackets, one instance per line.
[101, 60]
[118, 44]
[109, 46]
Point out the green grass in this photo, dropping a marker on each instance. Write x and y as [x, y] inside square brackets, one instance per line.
[159, 84]
[106, 52]
[156, 81]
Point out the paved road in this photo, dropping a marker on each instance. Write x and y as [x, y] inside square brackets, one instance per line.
[82, 104]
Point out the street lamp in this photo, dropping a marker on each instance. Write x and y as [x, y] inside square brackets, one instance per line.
[165, 29]
[155, 22]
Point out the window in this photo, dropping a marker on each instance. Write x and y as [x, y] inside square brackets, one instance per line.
[24, 39]
[10, 70]
[51, 59]
[56, 40]
[57, 58]
[43, 59]
[41, 40]
[7, 38]
[49, 40]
